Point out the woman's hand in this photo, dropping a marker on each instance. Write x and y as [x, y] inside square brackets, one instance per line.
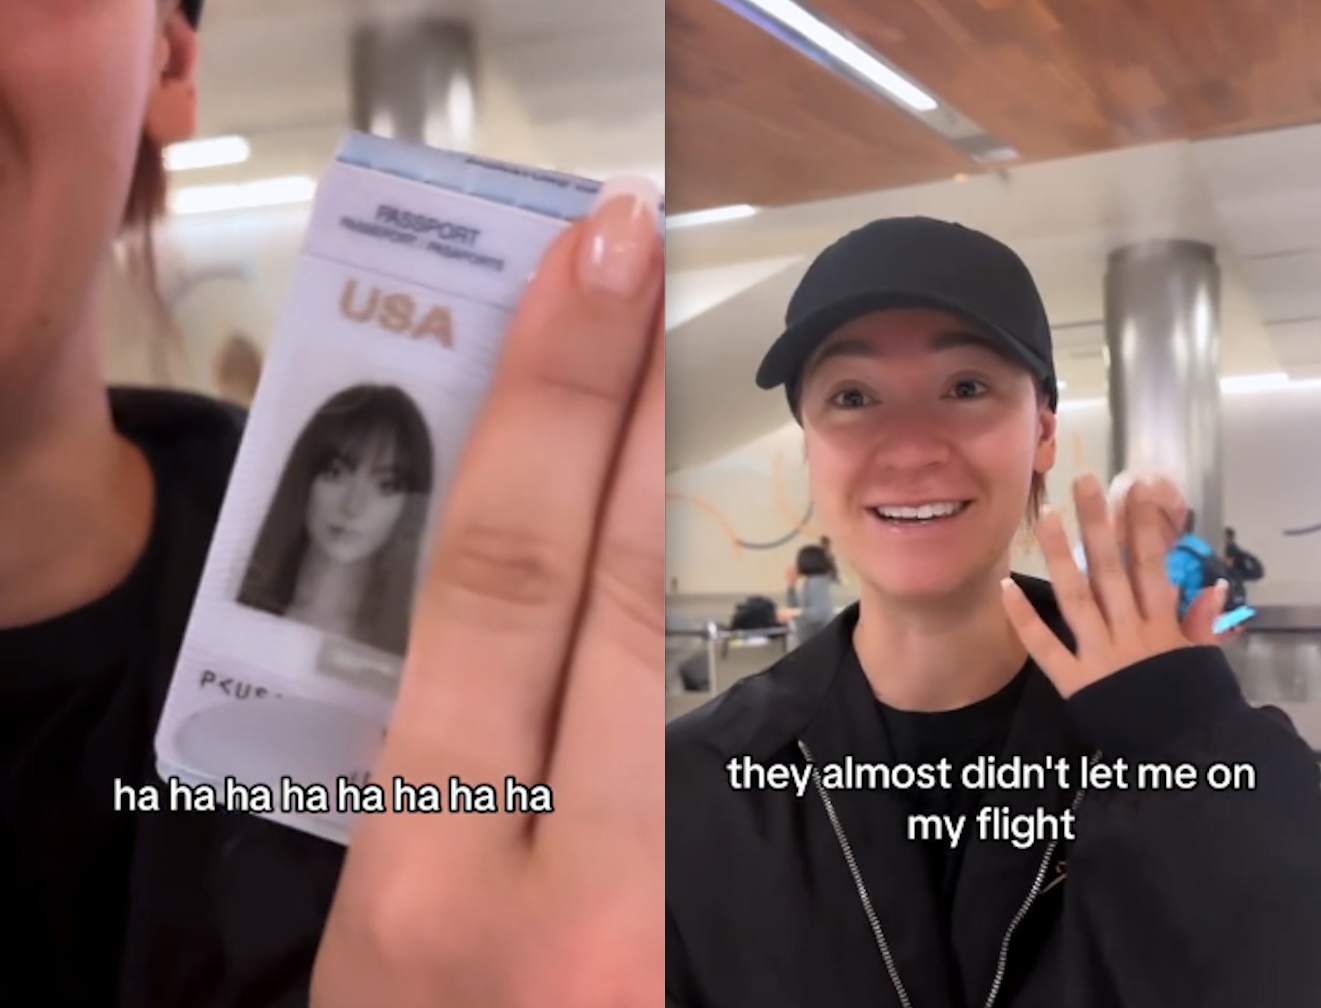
[1119, 616]
[537, 654]
[1164, 492]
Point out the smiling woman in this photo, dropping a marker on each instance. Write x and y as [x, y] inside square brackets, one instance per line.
[918, 360]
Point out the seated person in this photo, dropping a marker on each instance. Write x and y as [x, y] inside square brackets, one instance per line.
[811, 605]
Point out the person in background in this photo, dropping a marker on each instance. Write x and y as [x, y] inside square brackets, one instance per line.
[1244, 565]
[811, 606]
[830, 557]
[1187, 563]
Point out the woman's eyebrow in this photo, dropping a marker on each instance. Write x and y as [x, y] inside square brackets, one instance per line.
[342, 456]
[958, 339]
[951, 339]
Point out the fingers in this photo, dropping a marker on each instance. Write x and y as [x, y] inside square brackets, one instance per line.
[1199, 620]
[1105, 563]
[499, 605]
[1047, 650]
[609, 757]
[1072, 589]
[1149, 573]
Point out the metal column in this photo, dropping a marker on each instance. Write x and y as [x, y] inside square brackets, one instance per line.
[1162, 308]
[415, 80]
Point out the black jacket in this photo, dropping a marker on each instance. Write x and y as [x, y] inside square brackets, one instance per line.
[1177, 899]
[226, 909]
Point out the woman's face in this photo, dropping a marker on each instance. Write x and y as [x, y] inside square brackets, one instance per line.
[77, 82]
[921, 445]
[355, 503]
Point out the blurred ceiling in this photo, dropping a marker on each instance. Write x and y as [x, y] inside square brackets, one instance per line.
[753, 120]
[573, 85]
[1255, 198]
[1124, 120]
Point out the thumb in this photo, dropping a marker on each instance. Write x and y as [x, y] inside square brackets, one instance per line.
[1199, 621]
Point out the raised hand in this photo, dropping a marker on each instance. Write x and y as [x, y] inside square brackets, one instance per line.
[1124, 609]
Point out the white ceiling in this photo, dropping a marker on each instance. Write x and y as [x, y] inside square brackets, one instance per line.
[1256, 198]
[577, 85]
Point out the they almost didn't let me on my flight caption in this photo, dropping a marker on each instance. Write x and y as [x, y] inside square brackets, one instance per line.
[993, 823]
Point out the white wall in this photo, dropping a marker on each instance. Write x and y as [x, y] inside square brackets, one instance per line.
[758, 494]
[219, 274]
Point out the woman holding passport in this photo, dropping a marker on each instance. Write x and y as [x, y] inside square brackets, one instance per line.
[1166, 853]
[537, 653]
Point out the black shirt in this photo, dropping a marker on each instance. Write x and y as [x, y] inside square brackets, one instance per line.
[65, 736]
[159, 910]
[962, 736]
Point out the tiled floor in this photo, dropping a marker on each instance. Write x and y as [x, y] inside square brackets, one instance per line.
[1283, 669]
[1277, 667]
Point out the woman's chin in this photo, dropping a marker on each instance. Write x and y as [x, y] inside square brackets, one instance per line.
[915, 586]
[924, 584]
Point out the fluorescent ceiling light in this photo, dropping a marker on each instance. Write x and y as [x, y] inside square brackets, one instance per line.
[212, 153]
[844, 50]
[244, 196]
[716, 216]
[1252, 383]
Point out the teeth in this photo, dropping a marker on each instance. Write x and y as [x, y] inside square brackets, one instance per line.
[943, 509]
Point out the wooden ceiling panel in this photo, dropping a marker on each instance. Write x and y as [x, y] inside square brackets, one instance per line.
[749, 120]
[1050, 78]
[1055, 78]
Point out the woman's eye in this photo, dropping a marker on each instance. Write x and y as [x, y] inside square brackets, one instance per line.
[335, 469]
[968, 388]
[849, 399]
[390, 485]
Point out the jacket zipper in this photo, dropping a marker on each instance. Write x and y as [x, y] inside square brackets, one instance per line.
[872, 918]
[844, 845]
[1003, 962]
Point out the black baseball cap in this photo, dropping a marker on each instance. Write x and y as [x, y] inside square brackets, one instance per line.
[914, 262]
[193, 10]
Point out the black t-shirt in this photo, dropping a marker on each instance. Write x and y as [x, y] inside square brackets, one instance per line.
[63, 741]
[105, 908]
[962, 736]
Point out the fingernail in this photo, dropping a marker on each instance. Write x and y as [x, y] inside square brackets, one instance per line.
[621, 243]
[1222, 590]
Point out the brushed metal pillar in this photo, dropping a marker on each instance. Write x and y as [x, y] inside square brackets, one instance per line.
[1162, 330]
[415, 80]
